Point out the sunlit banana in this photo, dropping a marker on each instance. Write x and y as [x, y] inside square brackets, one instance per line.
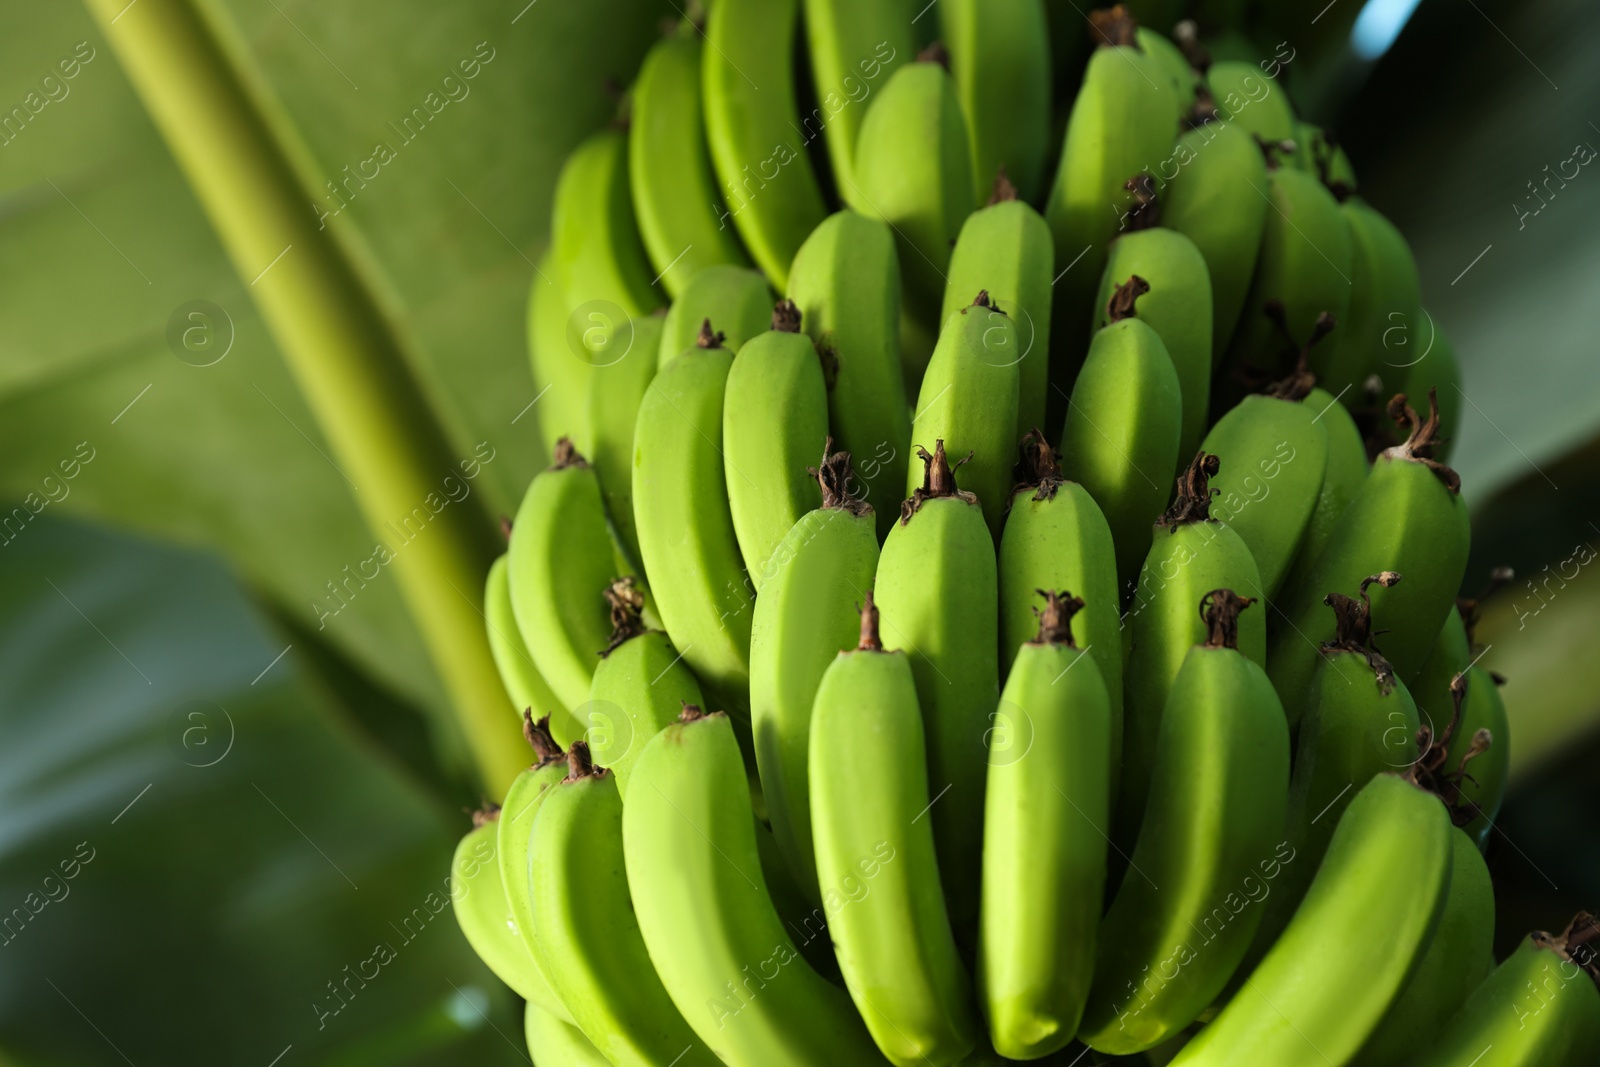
[1243, 94]
[551, 1041]
[1005, 249]
[1304, 264]
[524, 685]
[513, 836]
[1174, 66]
[1123, 120]
[1190, 554]
[1210, 191]
[855, 46]
[562, 559]
[1047, 810]
[1000, 59]
[1384, 291]
[485, 918]
[969, 400]
[1056, 537]
[1355, 942]
[806, 615]
[1540, 1007]
[869, 790]
[774, 419]
[1275, 451]
[556, 367]
[1123, 425]
[593, 234]
[937, 588]
[1177, 307]
[913, 169]
[723, 954]
[753, 129]
[737, 300]
[585, 935]
[624, 364]
[681, 215]
[640, 685]
[1184, 903]
[1460, 956]
[686, 538]
[846, 282]
[1408, 517]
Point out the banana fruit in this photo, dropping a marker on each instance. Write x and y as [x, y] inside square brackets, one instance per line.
[593, 234]
[686, 537]
[682, 220]
[1047, 809]
[846, 282]
[1384, 292]
[774, 417]
[552, 1041]
[622, 371]
[1000, 59]
[1123, 424]
[769, 184]
[584, 933]
[1184, 902]
[805, 616]
[560, 375]
[869, 794]
[1005, 249]
[522, 680]
[856, 45]
[737, 300]
[1439, 370]
[969, 400]
[937, 588]
[717, 943]
[1242, 93]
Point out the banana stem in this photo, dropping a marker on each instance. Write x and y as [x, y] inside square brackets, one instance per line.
[250, 173]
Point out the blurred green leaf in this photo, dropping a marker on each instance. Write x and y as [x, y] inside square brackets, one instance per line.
[232, 845]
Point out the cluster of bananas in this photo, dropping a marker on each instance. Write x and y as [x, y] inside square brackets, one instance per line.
[966, 761]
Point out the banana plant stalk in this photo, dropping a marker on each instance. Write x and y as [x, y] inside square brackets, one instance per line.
[249, 171]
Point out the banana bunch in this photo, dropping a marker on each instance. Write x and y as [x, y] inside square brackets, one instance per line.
[985, 623]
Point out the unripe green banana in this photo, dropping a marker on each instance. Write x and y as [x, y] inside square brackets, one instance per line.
[680, 504]
[562, 559]
[1183, 902]
[1540, 1008]
[753, 127]
[640, 685]
[1304, 264]
[623, 368]
[1056, 537]
[1437, 369]
[1123, 425]
[969, 400]
[524, 685]
[681, 216]
[513, 836]
[846, 282]
[1174, 67]
[688, 834]
[593, 235]
[1005, 249]
[1242, 93]
[585, 935]
[1384, 290]
[804, 617]
[478, 896]
[1459, 957]
[1122, 121]
[914, 170]
[1047, 809]
[1408, 517]
[1484, 714]
[1190, 555]
[1451, 655]
[774, 417]
[560, 376]
[551, 1041]
[1355, 942]
[1276, 449]
[1000, 58]
[737, 300]
[854, 45]
[1341, 481]
[869, 794]
[1211, 197]
[937, 587]
[1177, 308]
